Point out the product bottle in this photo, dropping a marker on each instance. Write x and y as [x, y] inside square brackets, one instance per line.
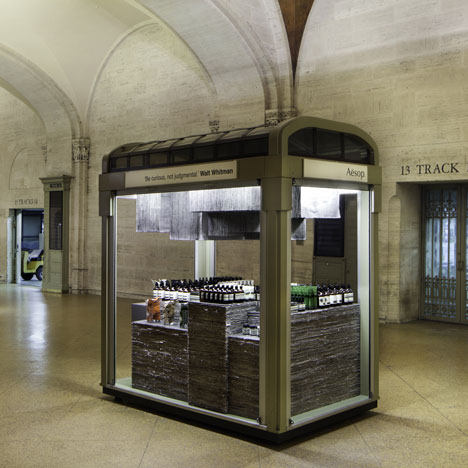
[339, 295]
[333, 296]
[301, 303]
[186, 294]
[327, 296]
[254, 330]
[155, 289]
[320, 298]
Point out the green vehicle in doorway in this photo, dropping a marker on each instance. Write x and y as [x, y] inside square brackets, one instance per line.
[32, 264]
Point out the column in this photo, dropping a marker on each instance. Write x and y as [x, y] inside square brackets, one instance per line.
[275, 245]
[79, 212]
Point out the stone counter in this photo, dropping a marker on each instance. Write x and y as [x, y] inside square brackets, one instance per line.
[160, 359]
[212, 366]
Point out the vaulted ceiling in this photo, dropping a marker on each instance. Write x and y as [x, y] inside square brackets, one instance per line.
[52, 51]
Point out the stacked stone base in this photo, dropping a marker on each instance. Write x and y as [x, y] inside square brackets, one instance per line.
[212, 366]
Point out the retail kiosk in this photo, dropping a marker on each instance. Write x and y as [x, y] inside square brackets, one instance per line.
[309, 366]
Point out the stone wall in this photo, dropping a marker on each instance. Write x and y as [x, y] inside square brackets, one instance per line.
[22, 136]
[399, 71]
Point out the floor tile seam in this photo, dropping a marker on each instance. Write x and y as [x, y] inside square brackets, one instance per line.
[371, 450]
[148, 442]
[435, 408]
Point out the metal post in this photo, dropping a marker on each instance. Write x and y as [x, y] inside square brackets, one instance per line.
[108, 213]
[374, 290]
[275, 389]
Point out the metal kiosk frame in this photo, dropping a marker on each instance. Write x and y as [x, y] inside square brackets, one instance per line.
[129, 171]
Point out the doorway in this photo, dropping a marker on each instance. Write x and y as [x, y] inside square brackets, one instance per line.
[445, 274]
[25, 247]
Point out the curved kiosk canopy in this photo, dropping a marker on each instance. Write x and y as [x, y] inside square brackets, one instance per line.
[261, 247]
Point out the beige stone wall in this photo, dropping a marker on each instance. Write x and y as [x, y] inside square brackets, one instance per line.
[238, 258]
[151, 88]
[142, 256]
[399, 71]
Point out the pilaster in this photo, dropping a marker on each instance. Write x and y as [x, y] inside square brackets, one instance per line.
[79, 211]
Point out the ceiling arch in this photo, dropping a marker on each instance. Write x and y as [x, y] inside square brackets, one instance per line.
[260, 23]
[36, 89]
[229, 49]
[242, 45]
[66, 40]
[113, 49]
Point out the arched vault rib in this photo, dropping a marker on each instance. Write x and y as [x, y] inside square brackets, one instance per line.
[147, 24]
[260, 24]
[39, 92]
[253, 47]
[231, 58]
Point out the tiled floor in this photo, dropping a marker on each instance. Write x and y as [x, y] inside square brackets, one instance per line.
[53, 414]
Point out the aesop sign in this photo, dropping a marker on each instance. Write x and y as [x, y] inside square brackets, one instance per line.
[182, 174]
[335, 171]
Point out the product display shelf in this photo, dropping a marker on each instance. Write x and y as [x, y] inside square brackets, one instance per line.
[243, 375]
[209, 326]
[213, 366]
[160, 359]
[325, 356]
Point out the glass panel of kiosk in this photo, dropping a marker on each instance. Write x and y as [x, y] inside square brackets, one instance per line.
[330, 303]
[188, 307]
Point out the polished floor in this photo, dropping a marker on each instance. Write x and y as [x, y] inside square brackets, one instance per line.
[53, 414]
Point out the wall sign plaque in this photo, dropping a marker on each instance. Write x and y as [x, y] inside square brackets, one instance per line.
[20, 202]
[335, 171]
[182, 174]
[431, 169]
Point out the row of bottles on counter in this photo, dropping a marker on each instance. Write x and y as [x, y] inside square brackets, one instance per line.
[227, 294]
[228, 290]
[167, 293]
[334, 295]
[223, 290]
[318, 297]
[194, 284]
